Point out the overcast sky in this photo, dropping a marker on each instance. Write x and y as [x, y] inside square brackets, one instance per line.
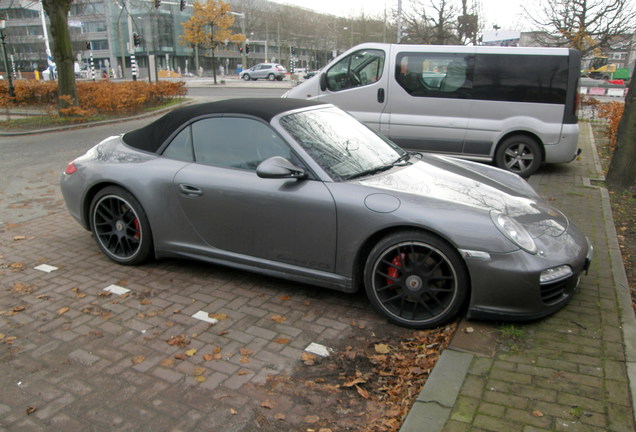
[506, 14]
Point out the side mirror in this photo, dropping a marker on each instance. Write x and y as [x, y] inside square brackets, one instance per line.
[278, 167]
[323, 81]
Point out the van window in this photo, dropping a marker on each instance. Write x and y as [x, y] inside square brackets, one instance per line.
[521, 78]
[358, 69]
[435, 75]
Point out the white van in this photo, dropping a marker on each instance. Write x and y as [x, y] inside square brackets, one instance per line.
[512, 106]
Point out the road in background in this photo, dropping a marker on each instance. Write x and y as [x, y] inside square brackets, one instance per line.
[32, 164]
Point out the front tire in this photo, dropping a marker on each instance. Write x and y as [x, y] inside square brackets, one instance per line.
[416, 280]
[246, 77]
[120, 226]
[519, 154]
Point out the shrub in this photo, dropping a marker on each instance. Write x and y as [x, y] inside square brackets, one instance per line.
[94, 97]
[612, 112]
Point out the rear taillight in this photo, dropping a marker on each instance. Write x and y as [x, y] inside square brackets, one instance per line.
[70, 168]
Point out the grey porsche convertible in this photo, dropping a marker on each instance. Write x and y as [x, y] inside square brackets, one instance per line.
[301, 190]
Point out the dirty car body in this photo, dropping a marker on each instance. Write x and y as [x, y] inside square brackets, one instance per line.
[303, 191]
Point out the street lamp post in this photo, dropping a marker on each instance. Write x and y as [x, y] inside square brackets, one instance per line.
[3, 24]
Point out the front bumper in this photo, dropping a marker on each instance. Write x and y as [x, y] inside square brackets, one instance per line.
[516, 293]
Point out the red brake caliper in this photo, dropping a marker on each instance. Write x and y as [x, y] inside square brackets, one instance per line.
[137, 228]
[393, 271]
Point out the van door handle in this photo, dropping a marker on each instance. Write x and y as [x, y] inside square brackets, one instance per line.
[189, 190]
[380, 95]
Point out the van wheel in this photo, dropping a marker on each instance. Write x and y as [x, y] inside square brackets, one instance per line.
[519, 154]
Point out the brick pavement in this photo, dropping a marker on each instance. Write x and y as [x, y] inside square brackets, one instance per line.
[88, 361]
[568, 372]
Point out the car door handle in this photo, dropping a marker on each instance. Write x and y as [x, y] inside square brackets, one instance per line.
[189, 190]
[381, 95]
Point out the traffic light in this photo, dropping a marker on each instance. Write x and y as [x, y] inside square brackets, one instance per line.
[182, 5]
[88, 45]
[136, 39]
[241, 49]
[157, 4]
[247, 49]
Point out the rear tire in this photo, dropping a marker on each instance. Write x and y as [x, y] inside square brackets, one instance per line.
[271, 77]
[416, 280]
[519, 154]
[120, 226]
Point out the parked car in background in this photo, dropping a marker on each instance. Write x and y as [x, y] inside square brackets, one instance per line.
[270, 71]
[302, 190]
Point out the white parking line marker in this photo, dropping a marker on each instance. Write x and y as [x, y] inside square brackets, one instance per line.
[204, 316]
[319, 350]
[45, 268]
[116, 289]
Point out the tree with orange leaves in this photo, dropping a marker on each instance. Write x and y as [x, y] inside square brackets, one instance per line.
[209, 26]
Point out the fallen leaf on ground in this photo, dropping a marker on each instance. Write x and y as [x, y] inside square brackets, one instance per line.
[200, 378]
[169, 362]
[179, 340]
[233, 411]
[362, 392]
[246, 352]
[282, 341]
[308, 358]
[382, 348]
[218, 316]
[354, 382]
[537, 413]
[198, 371]
[312, 419]
[268, 404]
[284, 298]
[280, 416]
[19, 308]
[138, 359]
[31, 410]
[191, 352]
[279, 318]
[63, 310]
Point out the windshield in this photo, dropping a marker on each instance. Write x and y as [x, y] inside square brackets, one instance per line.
[341, 145]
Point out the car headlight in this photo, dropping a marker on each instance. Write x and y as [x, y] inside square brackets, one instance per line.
[514, 231]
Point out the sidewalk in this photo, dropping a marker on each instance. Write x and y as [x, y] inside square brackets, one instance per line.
[575, 370]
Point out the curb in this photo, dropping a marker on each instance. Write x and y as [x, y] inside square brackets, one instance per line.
[435, 402]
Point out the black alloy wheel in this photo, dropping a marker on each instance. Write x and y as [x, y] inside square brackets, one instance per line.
[120, 226]
[416, 280]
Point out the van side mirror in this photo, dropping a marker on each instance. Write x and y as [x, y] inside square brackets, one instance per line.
[323, 81]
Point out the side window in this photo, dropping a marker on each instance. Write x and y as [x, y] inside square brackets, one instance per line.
[180, 148]
[358, 69]
[435, 75]
[521, 78]
[235, 142]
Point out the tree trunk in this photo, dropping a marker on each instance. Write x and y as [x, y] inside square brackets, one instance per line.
[57, 11]
[622, 170]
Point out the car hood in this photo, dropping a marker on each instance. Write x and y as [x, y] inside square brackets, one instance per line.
[471, 186]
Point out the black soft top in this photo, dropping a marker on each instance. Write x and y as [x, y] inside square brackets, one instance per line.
[150, 137]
